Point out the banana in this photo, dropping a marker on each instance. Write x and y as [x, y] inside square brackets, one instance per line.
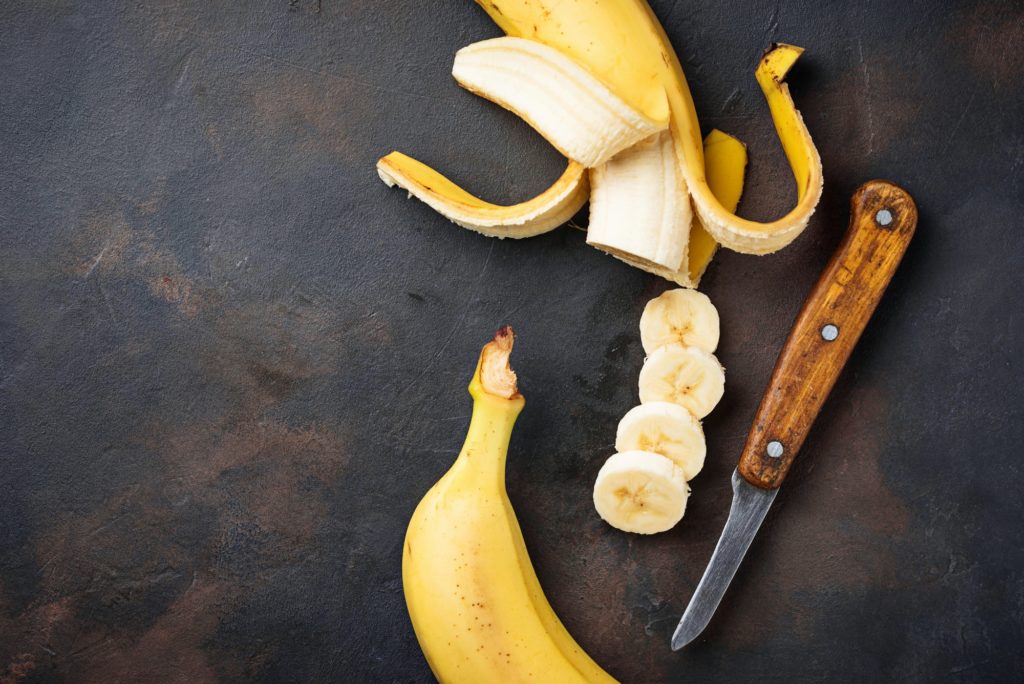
[687, 376]
[624, 206]
[572, 109]
[622, 43]
[476, 605]
[666, 429]
[639, 491]
[543, 213]
[639, 209]
[682, 316]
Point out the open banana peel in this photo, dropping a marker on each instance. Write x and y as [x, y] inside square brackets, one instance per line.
[603, 85]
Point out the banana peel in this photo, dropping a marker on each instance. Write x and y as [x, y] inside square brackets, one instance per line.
[725, 164]
[541, 214]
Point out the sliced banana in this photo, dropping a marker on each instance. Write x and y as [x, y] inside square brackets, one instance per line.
[666, 429]
[639, 207]
[576, 112]
[687, 376]
[639, 491]
[680, 316]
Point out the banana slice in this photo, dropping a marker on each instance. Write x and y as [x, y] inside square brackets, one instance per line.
[638, 491]
[666, 429]
[543, 213]
[639, 208]
[576, 112]
[682, 316]
[687, 376]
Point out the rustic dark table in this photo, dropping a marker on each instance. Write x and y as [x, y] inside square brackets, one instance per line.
[232, 361]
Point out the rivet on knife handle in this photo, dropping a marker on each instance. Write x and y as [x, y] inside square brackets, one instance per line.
[882, 221]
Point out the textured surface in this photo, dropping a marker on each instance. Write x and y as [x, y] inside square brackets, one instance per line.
[231, 361]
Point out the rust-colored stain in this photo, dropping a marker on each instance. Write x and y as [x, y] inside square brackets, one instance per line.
[20, 667]
[107, 244]
[989, 36]
[261, 481]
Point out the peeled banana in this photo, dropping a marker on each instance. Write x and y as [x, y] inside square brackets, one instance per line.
[476, 605]
[639, 208]
[622, 43]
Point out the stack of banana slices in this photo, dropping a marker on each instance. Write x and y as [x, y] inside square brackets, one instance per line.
[643, 488]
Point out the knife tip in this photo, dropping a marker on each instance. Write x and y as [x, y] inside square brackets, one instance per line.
[681, 638]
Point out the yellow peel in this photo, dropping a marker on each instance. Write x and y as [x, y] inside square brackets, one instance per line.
[622, 43]
[543, 213]
[725, 164]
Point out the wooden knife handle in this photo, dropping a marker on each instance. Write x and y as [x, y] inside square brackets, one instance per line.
[882, 221]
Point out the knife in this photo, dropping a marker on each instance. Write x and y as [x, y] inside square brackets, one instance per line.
[882, 221]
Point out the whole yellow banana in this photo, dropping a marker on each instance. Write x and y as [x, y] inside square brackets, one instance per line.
[476, 605]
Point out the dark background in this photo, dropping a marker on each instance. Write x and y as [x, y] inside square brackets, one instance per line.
[232, 361]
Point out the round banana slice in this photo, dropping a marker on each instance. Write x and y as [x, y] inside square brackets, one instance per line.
[687, 376]
[681, 316]
[642, 492]
[666, 429]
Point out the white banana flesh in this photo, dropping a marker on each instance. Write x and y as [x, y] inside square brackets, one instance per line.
[640, 209]
[666, 429]
[572, 109]
[641, 492]
[687, 376]
[680, 316]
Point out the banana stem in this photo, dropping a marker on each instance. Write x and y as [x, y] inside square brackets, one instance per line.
[496, 405]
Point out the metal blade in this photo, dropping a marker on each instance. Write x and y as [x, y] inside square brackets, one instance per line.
[749, 506]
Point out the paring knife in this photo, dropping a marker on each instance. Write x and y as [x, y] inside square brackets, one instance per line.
[882, 221]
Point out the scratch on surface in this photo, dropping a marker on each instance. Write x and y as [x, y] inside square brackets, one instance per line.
[732, 100]
[328, 74]
[867, 97]
[773, 23]
[959, 122]
[186, 63]
[96, 263]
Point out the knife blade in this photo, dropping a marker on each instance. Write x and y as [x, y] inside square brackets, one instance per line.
[883, 218]
[749, 506]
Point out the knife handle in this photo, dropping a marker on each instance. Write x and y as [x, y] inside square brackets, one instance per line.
[882, 221]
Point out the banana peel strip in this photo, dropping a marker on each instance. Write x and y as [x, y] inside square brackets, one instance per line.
[543, 213]
[752, 237]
